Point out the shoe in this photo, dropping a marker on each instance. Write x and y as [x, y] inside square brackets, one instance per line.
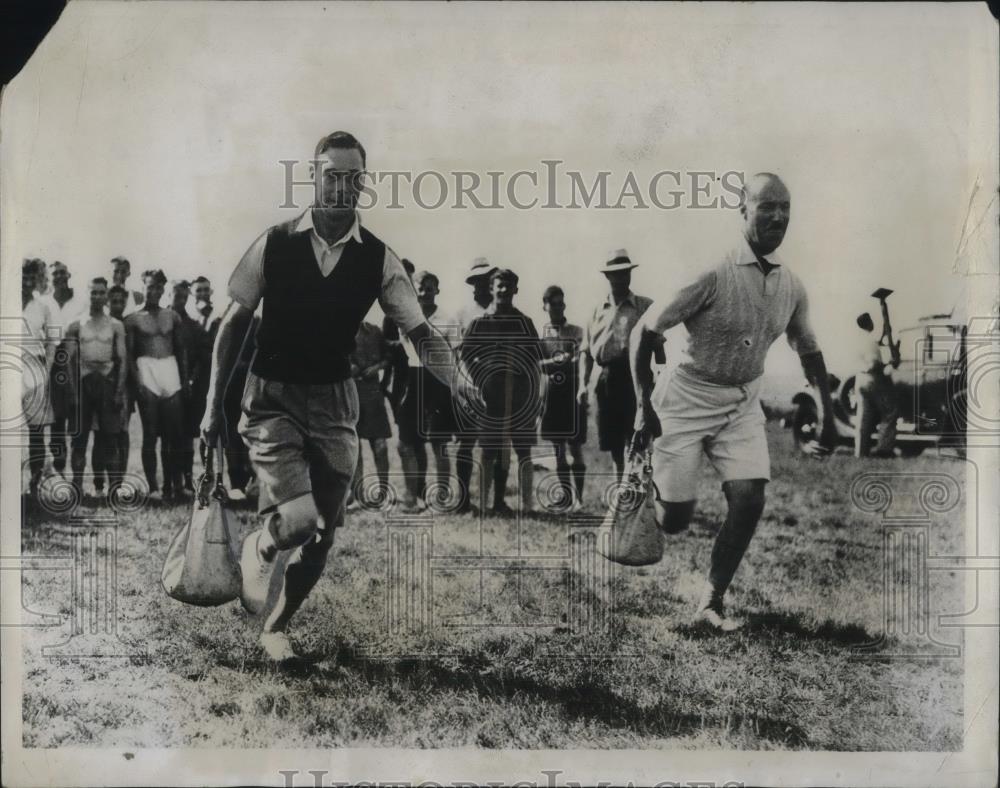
[277, 647]
[256, 575]
[414, 506]
[501, 510]
[717, 620]
[577, 506]
[354, 506]
[236, 494]
[188, 483]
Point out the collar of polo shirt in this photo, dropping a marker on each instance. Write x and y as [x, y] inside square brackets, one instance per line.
[305, 224]
[747, 257]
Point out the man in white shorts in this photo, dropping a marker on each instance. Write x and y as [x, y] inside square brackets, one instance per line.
[158, 361]
[711, 403]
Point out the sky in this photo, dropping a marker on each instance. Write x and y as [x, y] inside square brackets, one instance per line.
[155, 131]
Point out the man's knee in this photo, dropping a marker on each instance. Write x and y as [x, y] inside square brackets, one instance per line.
[745, 496]
[673, 516]
[296, 523]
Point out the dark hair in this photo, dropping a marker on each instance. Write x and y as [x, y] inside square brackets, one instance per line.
[99, 280]
[28, 267]
[201, 279]
[120, 259]
[116, 289]
[340, 139]
[158, 276]
[551, 292]
[182, 284]
[408, 266]
[504, 273]
[420, 276]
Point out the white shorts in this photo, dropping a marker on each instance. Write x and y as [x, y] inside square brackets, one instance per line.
[724, 423]
[159, 375]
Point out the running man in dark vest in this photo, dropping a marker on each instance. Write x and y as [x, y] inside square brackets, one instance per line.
[315, 278]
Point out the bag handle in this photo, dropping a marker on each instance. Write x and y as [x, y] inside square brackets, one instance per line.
[210, 485]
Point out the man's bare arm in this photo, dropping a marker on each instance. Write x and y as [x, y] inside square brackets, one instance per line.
[132, 364]
[643, 344]
[181, 351]
[120, 368]
[234, 329]
[438, 357]
[585, 370]
[815, 371]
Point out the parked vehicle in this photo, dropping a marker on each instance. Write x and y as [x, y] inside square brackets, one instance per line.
[930, 384]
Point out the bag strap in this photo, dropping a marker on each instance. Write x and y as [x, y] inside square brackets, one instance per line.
[210, 484]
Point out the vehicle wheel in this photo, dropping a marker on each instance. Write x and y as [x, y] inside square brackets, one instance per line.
[805, 425]
[848, 398]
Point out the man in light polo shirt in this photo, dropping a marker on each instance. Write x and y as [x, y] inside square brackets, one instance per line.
[711, 403]
[315, 278]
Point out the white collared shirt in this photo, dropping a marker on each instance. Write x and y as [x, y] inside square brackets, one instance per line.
[397, 298]
[327, 255]
[61, 316]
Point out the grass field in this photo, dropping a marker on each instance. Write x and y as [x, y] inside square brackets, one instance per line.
[500, 663]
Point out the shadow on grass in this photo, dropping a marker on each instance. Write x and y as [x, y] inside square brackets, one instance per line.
[771, 623]
[581, 701]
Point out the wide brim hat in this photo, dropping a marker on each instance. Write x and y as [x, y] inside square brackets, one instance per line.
[618, 260]
[480, 268]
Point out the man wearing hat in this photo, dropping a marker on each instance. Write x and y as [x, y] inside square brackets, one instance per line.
[606, 343]
[710, 404]
[875, 396]
[502, 353]
[479, 279]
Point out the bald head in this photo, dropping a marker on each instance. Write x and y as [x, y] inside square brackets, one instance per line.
[766, 209]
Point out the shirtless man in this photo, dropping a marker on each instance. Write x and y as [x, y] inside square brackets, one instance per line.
[100, 342]
[158, 365]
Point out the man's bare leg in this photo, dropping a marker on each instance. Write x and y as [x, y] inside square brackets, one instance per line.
[172, 442]
[745, 499]
[525, 478]
[413, 457]
[149, 415]
[442, 470]
[306, 562]
[579, 469]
